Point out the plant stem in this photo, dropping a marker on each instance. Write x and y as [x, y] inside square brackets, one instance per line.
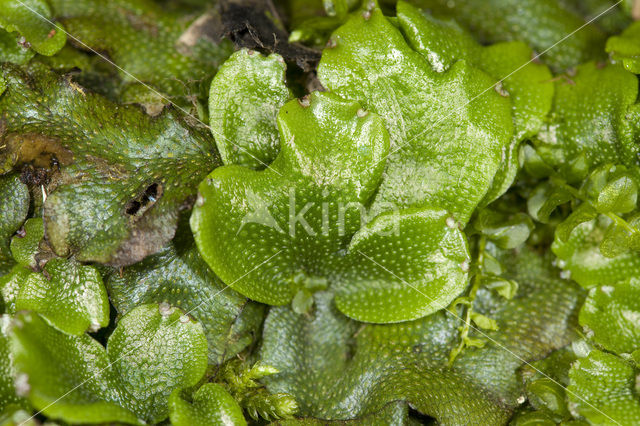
[475, 286]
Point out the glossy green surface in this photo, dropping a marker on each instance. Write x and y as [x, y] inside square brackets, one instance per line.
[337, 368]
[14, 205]
[582, 261]
[10, 285]
[30, 19]
[209, 405]
[235, 201]
[447, 130]
[12, 51]
[70, 296]
[245, 97]
[625, 48]
[526, 84]
[24, 247]
[52, 363]
[612, 312]
[540, 23]
[589, 122]
[415, 272]
[296, 217]
[153, 350]
[401, 219]
[545, 384]
[126, 176]
[507, 231]
[606, 385]
[612, 189]
[9, 400]
[179, 276]
[548, 396]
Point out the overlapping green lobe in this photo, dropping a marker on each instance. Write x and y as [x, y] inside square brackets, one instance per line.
[175, 356]
[539, 23]
[10, 284]
[245, 97]
[152, 351]
[14, 205]
[339, 369]
[527, 84]
[179, 276]
[611, 312]
[447, 131]
[70, 296]
[294, 220]
[9, 400]
[251, 209]
[401, 266]
[26, 245]
[625, 48]
[590, 123]
[602, 389]
[125, 176]
[545, 384]
[210, 405]
[582, 260]
[607, 198]
[32, 19]
[55, 362]
[11, 50]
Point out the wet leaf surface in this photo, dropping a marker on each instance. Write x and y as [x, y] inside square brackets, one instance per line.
[210, 405]
[315, 184]
[339, 369]
[14, 205]
[124, 176]
[245, 97]
[152, 351]
[179, 276]
[432, 117]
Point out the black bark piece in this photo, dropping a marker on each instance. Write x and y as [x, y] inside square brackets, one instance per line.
[247, 23]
